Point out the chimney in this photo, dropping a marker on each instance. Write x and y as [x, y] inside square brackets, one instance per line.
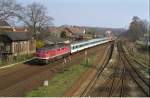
[84, 31]
[14, 29]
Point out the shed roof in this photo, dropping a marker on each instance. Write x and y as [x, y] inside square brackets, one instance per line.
[15, 36]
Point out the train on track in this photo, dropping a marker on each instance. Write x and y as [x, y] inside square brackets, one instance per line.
[51, 53]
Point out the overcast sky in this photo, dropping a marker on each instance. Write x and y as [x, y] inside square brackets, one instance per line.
[101, 13]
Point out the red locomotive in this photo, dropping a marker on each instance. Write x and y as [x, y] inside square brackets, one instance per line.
[51, 53]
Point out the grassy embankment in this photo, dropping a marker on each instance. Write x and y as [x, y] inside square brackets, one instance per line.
[140, 55]
[4, 62]
[143, 58]
[63, 81]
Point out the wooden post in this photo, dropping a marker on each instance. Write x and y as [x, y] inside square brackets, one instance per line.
[63, 65]
[69, 59]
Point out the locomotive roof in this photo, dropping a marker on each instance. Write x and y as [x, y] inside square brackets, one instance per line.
[51, 47]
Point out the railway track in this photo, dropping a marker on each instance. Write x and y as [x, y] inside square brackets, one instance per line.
[23, 79]
[100, 70]
[142, 63]
[117, 83]
[140, 67]
[134, 74]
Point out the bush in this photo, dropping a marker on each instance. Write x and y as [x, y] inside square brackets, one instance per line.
[39, 43]
[63, 34]
[143, 48]
[0, 62]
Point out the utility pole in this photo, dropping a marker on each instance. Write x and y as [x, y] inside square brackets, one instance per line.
[85, 57]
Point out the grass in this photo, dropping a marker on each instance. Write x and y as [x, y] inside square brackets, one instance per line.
[140, 56]
[63, 81]
[60, 83]
[18, 59]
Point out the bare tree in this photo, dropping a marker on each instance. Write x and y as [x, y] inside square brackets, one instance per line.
[35, 18]
[8, 9]
[137, 28]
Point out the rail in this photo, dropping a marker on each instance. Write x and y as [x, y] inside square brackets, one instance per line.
[100, 70]
[144, 86]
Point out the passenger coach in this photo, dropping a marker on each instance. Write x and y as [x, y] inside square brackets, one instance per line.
[78, 46]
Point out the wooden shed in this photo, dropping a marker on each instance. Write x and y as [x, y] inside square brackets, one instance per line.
[14, 44]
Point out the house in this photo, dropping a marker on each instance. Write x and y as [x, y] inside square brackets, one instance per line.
[75, 32]
[69, 32]
[15, 44]
[55, 31]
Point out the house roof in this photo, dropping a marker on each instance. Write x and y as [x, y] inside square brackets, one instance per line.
[75, 30]
[20, 29]
[15, 36]
[53, 29]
